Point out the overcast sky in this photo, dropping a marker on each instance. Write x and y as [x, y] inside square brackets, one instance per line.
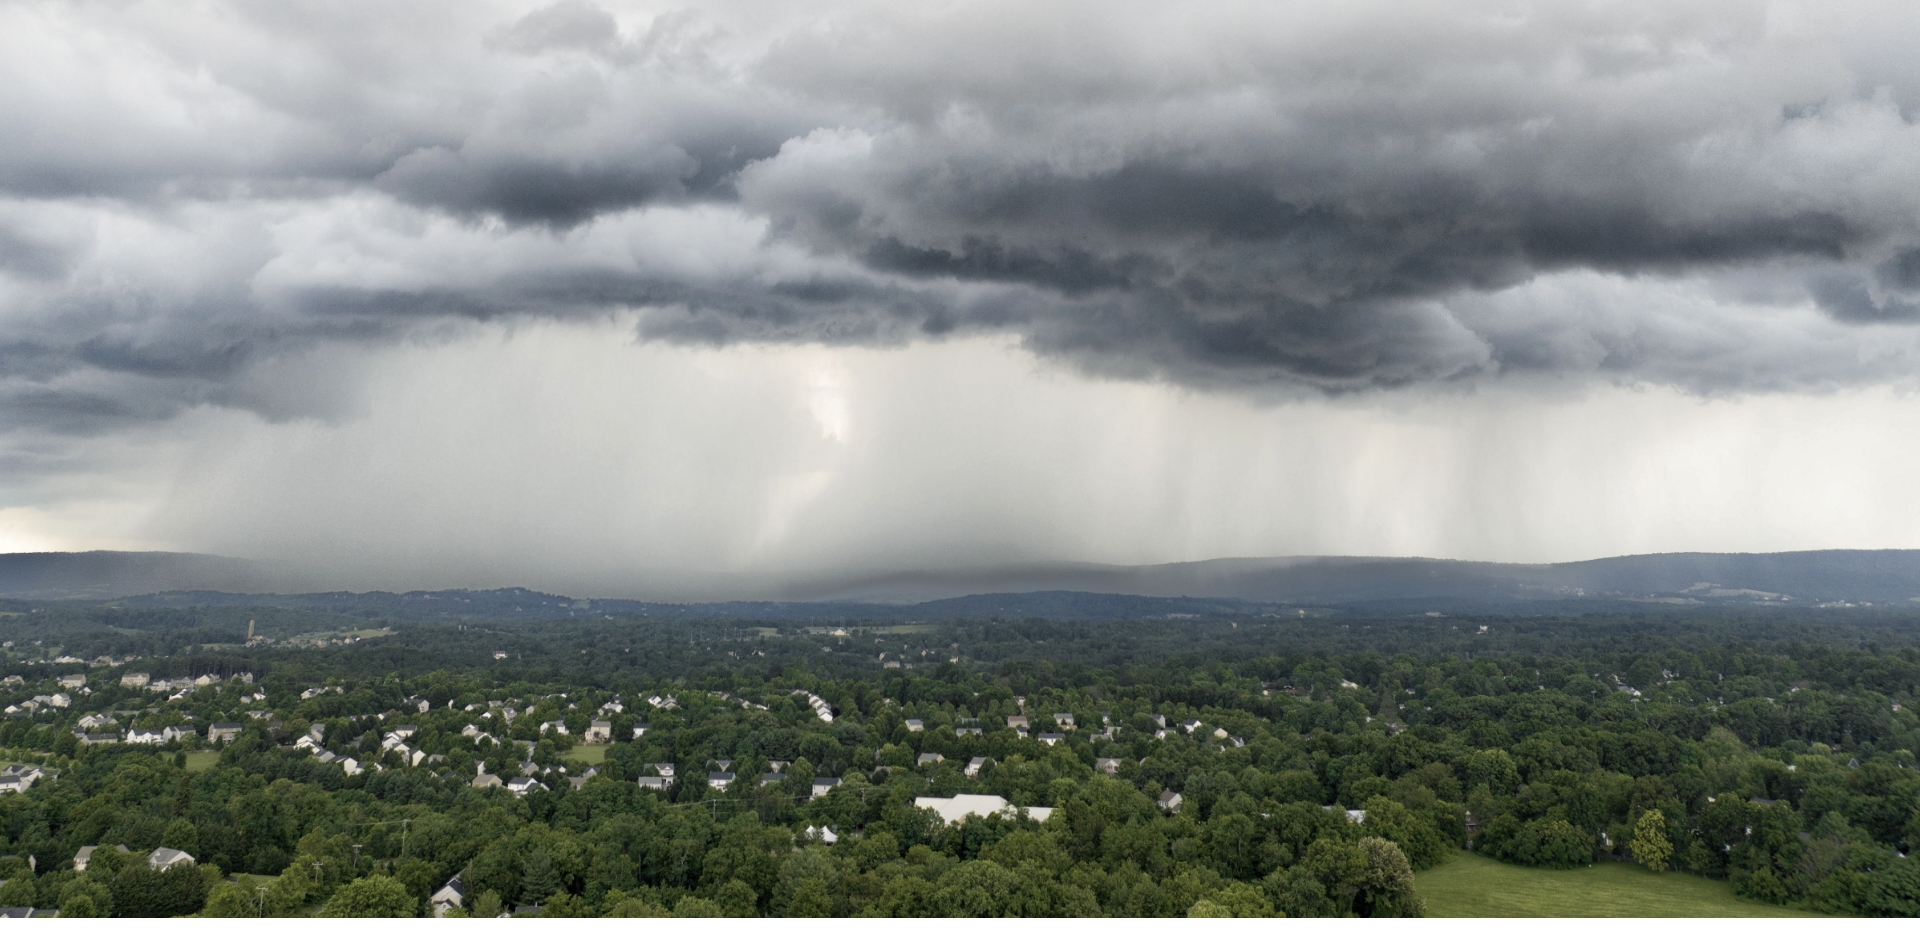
[598, 296]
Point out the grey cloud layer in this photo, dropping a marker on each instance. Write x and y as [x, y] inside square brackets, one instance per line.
[1277, 199]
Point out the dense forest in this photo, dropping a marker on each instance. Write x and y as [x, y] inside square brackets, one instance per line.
[1299, 766]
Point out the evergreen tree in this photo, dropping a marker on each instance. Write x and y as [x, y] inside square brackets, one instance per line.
[539, 882]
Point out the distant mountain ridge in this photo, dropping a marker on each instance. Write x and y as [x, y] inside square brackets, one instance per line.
[1801, 578]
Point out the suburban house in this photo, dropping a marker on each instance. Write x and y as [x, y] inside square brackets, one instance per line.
[1052, 738]
[1064, 720]
[1016, 721]
[92, 722]
[655, 783]
[76, 681]
[957, 808]
[639, 730]
[1107, 765]
[580, 780]
[485, 780]
[772, 777]
[719, 780]
[12, 784]
[1170, 802]
[135, 680]
[174, 733]
[599, 732]
[916, 725]
[968, 731]
[84, 855]
[663, 769]
[521, 787]
[822, 785]
[167, 858]
[98, 738]
[448, 898]
[223, 731]
[145, 736]
[972, 770]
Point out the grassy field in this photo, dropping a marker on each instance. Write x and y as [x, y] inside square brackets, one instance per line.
[591, 754]
[201, 760]
[1474, 886]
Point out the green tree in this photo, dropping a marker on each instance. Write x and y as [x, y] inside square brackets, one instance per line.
[371, 897]
[1233, 901]
[540, 882]
[694, 907]
[1386, 888]
[229, 901]
[619, 905]
[181, 834]
[18, 891]
[487, 905]
[1650, 846]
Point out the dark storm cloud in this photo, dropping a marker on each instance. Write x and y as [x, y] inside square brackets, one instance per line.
[1267, 199]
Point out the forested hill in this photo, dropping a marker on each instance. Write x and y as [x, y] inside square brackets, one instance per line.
[521, 604]
[1060, 591]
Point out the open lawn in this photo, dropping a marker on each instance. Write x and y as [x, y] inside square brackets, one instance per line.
[591, 754]
[201, 760]
[1474, 886]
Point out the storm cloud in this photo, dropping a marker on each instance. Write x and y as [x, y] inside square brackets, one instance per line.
[1270, 199]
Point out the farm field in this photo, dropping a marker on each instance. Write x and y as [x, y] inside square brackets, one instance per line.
[1474, 886]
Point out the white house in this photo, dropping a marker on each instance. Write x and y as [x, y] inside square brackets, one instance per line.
[73, 682]
[85, 855]
[972, 770]
[599, 732]
[449, 897]
[167, 858]
[144, 736]
[823, 785]
[223, 731]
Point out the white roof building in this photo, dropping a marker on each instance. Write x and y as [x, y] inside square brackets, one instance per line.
[956, 808]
